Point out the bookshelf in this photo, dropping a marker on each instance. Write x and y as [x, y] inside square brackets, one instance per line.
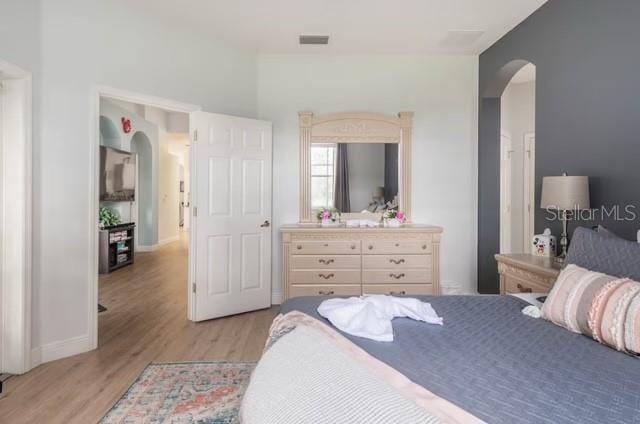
[117, 247]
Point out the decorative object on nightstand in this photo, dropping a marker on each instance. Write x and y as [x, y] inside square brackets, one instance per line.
[524, 273]
[565, 194]
[544, 244]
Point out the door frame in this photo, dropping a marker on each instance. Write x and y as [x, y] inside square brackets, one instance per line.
[505, 192]
[97, 92]
[529, 189]
[15, 320]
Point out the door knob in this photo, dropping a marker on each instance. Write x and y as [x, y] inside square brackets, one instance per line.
[265, 224]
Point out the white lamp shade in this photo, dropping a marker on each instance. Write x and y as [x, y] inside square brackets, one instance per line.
[565, 193]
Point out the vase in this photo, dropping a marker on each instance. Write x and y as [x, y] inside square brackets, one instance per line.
[393, 223]
[326, 223]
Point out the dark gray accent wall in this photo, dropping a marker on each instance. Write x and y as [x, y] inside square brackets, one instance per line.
[587, 57]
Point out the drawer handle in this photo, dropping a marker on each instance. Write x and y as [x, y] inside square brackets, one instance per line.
[326, 293]
[524, 289]
[326, 261]
[397, 276]
[393, 293]
[326, 245]
[397, 244]
[353, 247]
[424, 247]
[370, 247]
[326, 276]
[299, 247]
[398, 262]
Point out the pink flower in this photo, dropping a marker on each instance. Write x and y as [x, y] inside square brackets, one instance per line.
[400, 216]
[325, 215]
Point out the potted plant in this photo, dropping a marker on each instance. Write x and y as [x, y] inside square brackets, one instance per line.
[394, 218]
[328, 217]
[108, 217]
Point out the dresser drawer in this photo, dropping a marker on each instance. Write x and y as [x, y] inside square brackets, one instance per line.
[516, 285]
[396, 261]
[407, 276]
[323, 290]
[325, 248]
[328, 276]
[325, 262]
[398, 289]
[394, 247]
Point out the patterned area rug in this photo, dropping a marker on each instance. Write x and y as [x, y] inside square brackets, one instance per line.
[193, 392]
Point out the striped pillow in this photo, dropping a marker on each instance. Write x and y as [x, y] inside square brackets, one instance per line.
[596, 305]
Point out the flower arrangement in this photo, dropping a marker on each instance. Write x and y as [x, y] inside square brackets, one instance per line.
[328, 215]
[395, 214]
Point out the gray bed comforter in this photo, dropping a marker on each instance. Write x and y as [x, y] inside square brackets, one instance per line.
[504, 367]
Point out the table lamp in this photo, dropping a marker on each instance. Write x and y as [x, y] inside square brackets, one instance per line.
[565, 194]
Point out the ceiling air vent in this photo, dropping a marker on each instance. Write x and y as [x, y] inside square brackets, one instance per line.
[314, 39]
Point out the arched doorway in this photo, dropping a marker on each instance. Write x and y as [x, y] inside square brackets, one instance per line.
[109, 134]
[141, 145]
[497, 144]
[517, 162]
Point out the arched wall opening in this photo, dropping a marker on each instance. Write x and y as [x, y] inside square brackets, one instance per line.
[517, 162]
[147, 217]
[109, 133]
[501, 168]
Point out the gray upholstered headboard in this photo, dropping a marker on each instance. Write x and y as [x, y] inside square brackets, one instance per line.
[605, 253]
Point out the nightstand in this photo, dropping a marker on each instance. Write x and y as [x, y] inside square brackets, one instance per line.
[524, 273]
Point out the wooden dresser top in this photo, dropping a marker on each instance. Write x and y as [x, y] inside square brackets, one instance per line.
[317, 228]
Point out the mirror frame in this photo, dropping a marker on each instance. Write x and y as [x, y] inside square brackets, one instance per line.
[355, 127]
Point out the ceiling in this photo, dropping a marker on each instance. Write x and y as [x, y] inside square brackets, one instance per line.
[355, 26]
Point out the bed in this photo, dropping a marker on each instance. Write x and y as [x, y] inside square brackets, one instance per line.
[487, 363]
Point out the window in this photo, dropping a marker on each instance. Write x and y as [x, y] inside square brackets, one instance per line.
[323, 159]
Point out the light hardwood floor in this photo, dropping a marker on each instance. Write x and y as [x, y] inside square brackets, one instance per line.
[146, 322]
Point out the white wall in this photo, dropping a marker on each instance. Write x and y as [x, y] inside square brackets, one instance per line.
[442, 91]
[518, 119]
[112, 43]
[366, 172]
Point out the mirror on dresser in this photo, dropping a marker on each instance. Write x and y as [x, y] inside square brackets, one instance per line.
[354, 177]
[355, 162]
[372, 152]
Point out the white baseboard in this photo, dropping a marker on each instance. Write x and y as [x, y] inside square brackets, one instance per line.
[453, 288]
[168, 240]
[277, 298]
[60, 349]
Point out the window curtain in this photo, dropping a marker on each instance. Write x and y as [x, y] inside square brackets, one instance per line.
[341, 189]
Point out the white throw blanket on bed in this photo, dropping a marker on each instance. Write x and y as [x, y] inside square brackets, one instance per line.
[370, 316]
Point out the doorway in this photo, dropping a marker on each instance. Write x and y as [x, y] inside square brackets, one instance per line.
[15, 218]
[221, 163]
[517, 162]
[141, 248]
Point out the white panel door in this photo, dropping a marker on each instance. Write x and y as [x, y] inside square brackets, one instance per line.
[230, 257]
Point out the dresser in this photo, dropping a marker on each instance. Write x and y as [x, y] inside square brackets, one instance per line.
[524, 273]
[354, 261]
